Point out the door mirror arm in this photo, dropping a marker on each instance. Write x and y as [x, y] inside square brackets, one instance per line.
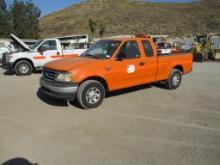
[41, 50]
[121, 56]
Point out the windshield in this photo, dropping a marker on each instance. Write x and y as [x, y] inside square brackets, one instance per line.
[102, 49]
[36, 44]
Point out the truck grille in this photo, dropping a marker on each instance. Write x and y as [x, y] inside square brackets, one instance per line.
[49, 74]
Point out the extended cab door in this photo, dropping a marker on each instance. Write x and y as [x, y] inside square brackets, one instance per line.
[150, 60]
[128, 66]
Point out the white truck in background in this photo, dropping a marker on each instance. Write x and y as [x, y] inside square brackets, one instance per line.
[36, 56]
[164, 48]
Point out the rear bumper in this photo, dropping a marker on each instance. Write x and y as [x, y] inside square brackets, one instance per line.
[191, 69]
[64, 91]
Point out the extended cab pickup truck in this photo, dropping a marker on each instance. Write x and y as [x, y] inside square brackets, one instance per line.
[36, 56]
[111, 65]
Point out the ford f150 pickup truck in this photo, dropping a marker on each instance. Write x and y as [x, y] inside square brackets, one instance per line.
[35, 56]
[110, 65]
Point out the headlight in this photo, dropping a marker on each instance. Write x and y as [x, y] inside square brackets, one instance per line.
[64, 77]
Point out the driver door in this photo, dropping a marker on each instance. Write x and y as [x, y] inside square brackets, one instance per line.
[127, 70]
[49, 51]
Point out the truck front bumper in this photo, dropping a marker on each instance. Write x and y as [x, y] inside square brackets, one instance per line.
[5, 62]
[59, 90]
[7, 66]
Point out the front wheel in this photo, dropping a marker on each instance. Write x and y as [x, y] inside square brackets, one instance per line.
[174, 80]
[23, 68]
[90, 94]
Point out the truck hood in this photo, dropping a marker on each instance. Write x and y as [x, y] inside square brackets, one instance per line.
[19, 41]
[68, 63]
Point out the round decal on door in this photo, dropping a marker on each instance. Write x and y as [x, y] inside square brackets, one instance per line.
[131, 69]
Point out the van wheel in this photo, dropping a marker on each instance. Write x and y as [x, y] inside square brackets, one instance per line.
[174, 80]
[90, 94]
[23, 68]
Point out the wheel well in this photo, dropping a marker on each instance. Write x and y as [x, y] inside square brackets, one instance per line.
[100, 79]
[23, 59]
[179, 67]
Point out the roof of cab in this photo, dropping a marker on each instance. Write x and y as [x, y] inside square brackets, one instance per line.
[128, 37]
[137, 36]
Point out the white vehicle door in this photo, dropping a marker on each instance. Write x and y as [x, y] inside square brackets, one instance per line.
[48, 51]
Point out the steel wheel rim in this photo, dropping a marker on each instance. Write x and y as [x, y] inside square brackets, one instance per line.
[176, 79]
[23, 68]
[93, 95]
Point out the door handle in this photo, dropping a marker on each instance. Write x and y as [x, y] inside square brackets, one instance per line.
[142, 63]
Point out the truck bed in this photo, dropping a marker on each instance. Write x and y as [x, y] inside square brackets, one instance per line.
[167, 62]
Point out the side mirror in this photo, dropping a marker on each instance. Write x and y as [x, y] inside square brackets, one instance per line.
[121, 56]
[41, 49]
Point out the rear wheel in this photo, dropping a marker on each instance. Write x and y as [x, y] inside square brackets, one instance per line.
[174, 80]
[90, 94]
[23, 68]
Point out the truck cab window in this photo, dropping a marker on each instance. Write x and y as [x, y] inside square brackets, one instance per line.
[49, 45]
[130, 50]
[102, 49]
[147, 49]
[36, 44]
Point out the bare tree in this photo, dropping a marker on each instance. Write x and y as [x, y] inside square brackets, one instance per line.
[102, 29]
[92, 26]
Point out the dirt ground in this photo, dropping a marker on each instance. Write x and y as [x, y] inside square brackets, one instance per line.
[147, 125]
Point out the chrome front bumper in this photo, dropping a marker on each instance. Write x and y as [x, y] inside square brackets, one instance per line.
[64, 91]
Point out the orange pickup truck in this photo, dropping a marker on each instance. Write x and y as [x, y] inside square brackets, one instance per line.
[110, 65]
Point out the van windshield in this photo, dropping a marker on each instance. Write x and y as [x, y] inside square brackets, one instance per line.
[36, 44]
[102, 49]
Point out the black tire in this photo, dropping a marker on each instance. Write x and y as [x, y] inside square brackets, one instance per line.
[90, 94]
[174, 80]
[23, 68]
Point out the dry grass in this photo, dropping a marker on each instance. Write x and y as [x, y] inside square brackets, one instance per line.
[129, 17]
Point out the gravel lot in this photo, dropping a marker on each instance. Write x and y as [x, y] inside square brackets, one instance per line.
[144, 125]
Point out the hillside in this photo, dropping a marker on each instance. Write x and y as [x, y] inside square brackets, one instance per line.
[131, 17]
